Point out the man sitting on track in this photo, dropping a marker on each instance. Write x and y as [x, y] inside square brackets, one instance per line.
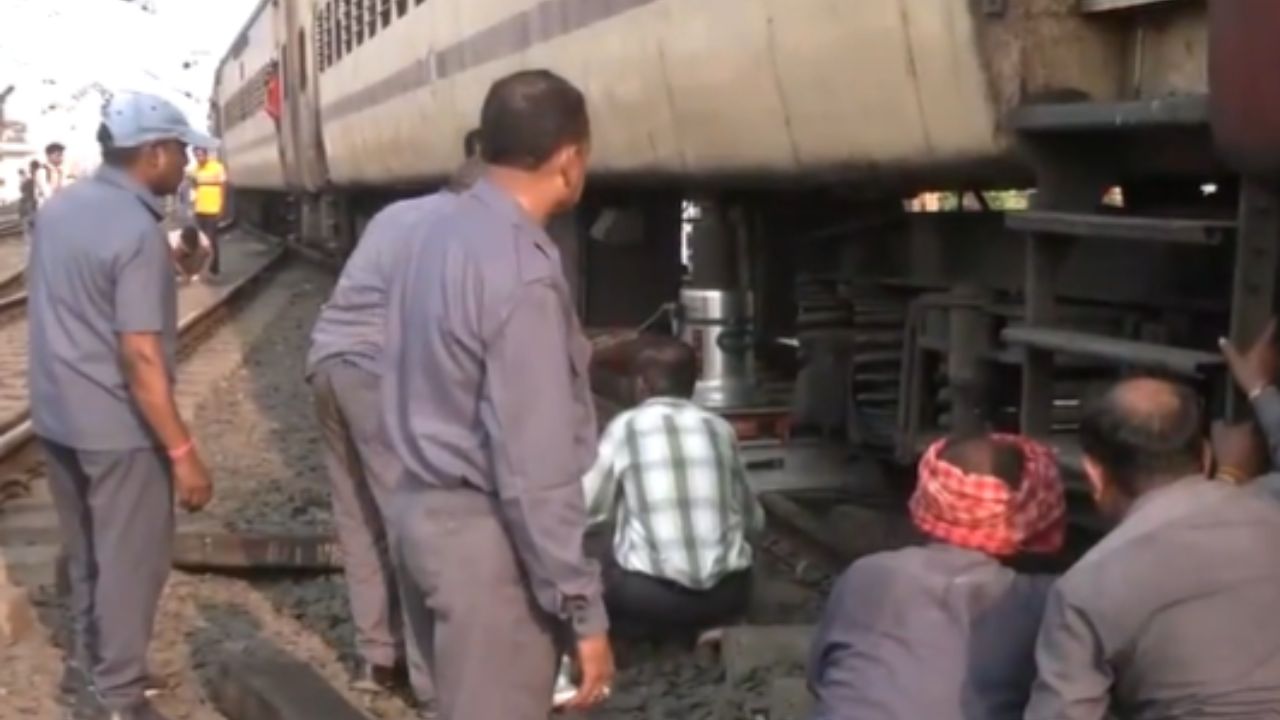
[670, 475]
[947, 630]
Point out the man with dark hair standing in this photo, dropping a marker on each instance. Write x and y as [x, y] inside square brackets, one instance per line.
[103, 331]
[52, 177]
[27, 202]
[343, 369]
[670, 475]
[1172, 615]
[488, 404]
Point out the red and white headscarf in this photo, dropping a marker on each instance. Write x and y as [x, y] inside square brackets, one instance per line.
[982, 512]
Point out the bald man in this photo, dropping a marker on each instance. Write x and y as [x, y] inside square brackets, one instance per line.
[1172, 615]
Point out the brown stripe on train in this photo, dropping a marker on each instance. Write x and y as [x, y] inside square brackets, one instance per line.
[544, 22]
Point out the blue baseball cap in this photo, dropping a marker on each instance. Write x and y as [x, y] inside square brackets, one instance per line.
[135, 119]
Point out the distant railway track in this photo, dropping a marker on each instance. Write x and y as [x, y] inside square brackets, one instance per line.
[16, 430]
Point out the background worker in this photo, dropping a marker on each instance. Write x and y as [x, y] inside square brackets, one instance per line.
[487, 401]
[191, 253]
[53, 176]
[102, 318]
[210, 180]
[28, 201]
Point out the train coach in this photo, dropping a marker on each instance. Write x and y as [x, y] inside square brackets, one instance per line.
[1146, 130]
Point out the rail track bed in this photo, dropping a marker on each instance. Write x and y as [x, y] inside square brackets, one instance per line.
[254, 624]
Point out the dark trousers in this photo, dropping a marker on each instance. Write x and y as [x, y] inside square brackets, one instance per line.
[363, 470]
[115, 510]
[208, 225]
[648, 606]
[490, 648]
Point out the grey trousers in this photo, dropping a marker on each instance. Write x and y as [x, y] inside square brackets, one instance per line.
[115, 509]
[491, 648]
[363, 469]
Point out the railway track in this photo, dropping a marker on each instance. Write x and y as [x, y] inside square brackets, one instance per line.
[15, 411]
[215, 324]
[265, 645]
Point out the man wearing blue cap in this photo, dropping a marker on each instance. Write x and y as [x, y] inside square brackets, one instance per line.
[103, 330]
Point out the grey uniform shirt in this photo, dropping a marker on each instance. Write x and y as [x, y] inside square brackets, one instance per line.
[485, 386]
[1172, 615]
[351, 323]
[100, 266]
[937, 632]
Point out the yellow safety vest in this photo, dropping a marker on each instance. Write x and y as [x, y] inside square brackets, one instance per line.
[209, 182]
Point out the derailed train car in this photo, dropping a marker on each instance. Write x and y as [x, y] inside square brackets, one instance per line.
[798, 127]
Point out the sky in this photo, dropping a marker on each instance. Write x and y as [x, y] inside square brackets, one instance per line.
[53, 50]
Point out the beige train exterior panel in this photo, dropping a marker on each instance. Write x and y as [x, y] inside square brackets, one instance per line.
[699, 87]
[249, 148]
[722, 88]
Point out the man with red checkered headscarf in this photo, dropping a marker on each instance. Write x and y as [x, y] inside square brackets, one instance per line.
[946, 630]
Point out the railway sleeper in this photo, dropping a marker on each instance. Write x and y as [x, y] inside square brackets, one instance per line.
[226, 551]
[249, 688]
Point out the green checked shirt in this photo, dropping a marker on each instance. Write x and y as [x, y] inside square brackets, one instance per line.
[671, 473]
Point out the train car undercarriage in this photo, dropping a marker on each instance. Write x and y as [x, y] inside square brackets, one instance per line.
[833, 315]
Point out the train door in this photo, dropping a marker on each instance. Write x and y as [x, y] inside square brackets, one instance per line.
[302, 142]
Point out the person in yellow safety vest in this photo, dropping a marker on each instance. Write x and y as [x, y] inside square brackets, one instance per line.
[209, 197]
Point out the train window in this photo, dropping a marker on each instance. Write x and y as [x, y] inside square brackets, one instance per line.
[402, 7]
[344, 27]
[317, 39]
[302, 59]
[386, 13]
[330, 36]
[357, 23]
[371, 17]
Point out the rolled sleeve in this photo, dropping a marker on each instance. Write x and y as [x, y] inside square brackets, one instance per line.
[140, 285]
[1074, 679]
[530, 412]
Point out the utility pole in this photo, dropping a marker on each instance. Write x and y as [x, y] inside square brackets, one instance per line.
[4, 98]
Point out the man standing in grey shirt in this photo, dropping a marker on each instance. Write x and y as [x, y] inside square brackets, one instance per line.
[102, 314]
[487, 402]
[343, 369]
[1172, 615]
